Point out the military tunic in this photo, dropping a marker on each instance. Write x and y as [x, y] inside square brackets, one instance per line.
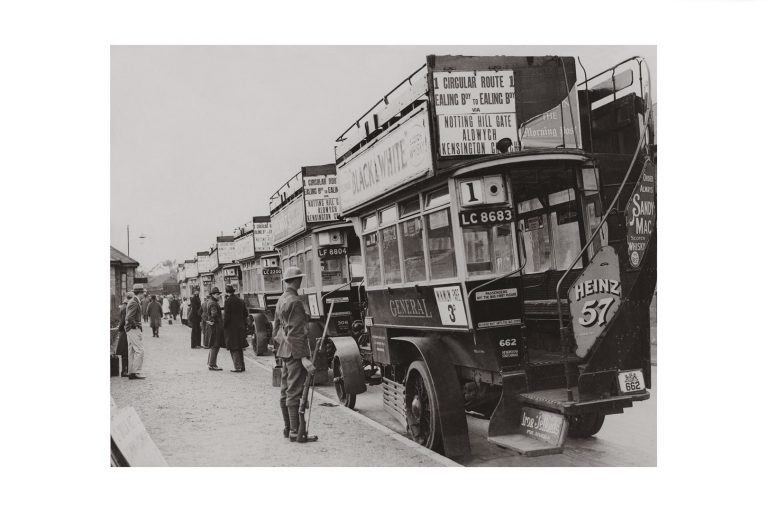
[291, 335]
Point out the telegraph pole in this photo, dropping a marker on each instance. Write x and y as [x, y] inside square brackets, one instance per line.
[128, 235]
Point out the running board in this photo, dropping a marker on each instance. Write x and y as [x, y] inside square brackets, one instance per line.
[535, 433]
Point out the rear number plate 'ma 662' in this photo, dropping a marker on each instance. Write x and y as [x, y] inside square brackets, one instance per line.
[631, 382]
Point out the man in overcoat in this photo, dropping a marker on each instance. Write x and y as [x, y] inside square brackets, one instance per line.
[205, 326]
[216, 329]
[175, 306]
[144, 308]
[293, 348]
[235, 315]
[155, 311]
[133, 333]
[194, 317]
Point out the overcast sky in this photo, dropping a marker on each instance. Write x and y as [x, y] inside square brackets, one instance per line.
[202, 136]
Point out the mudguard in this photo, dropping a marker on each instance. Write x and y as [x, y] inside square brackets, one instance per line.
[450, 399]
[351, 364]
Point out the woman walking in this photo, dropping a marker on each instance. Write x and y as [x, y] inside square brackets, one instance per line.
[166, 308]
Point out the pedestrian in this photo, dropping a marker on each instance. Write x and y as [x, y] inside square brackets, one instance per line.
[133, 333]
[195, 318]
[235, 314]
[204, 322]
[122, 337]
[155, 316]
[166, 308]
[215, 328]
[144, 310]
[293, 349]
[174, 307]
[184, 312]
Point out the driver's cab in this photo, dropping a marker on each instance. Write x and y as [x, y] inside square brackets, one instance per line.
[535, 213]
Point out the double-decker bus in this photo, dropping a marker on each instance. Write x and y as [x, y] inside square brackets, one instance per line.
[260, 273]
[505, 212]
[308, 234]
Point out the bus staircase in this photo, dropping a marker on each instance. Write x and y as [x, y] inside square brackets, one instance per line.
[534, 419]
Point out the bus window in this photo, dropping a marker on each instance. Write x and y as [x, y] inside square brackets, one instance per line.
[565, 228]
[390, 255]
[372, 261]
[592, 217]
[538, 247]
[300, 263]
[477, 243]
[370, 222]
[490, 249]
[333, 270]
[309, 267]
[442, 256]
[504, 249]
[437, 198]
[273, 283]
[409, 206]
[413, 249]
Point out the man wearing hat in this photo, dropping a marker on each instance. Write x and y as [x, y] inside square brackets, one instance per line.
[235, 314]
[194, 317]
[293, 348]
[133, 333]
[215, 328]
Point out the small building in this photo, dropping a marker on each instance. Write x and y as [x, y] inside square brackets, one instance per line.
[122, 269]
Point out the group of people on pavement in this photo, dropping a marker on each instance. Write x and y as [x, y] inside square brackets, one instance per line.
[167, 307]
[219, 327]
[228, 327]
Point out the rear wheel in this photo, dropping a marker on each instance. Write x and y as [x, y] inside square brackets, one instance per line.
[422, 416]
[585, 425]
[347, 399]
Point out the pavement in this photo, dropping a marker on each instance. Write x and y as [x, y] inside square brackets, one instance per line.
[197, 417]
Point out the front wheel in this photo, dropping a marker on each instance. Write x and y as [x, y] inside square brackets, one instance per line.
[346, 399]
[585, 425]
[422, 416]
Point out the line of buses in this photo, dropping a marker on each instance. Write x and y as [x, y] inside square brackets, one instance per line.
[476, 247]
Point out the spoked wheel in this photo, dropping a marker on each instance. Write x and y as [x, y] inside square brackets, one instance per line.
[585, 425]
[421, 412]
[347, 399]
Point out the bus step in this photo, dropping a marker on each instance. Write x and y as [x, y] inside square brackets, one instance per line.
[537, 433]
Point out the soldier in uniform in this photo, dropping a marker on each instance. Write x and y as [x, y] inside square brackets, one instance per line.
[293, 348]
[215, 328]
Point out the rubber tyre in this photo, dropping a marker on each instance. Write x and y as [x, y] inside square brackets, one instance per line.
[585, 425]
[422, 419]
[346, 399]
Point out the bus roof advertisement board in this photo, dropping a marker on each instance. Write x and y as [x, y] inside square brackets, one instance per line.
[244, 247]
[226, 252]
[321, 196]
[475, 109]
[289, 220]
[402, 154]
[262, 236]
[203, 263]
